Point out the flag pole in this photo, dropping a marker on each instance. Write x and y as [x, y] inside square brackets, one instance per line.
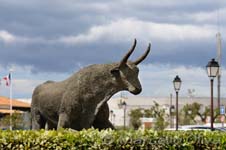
[10, 97]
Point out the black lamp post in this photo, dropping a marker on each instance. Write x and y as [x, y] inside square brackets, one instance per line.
[111, 115]
[124, 108]
[177, 85]
[172, 110]
[212, 71]
[113, 121]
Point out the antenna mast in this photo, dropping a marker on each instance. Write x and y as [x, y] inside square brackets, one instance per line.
[219, 55]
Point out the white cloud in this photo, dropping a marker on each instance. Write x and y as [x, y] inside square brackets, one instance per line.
[165, 3]
[6, 36]
[127, 29]
[123, 29]
[211, 17]
[9, 38]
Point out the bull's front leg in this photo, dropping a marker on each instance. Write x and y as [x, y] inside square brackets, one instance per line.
[63, 121]
[102, 118]
[71, 116]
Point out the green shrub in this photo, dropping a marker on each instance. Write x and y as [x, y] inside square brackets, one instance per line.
[110, 140]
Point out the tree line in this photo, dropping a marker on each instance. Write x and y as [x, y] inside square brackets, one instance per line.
[190, 114]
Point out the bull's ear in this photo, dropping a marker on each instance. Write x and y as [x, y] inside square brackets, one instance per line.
[115, 71]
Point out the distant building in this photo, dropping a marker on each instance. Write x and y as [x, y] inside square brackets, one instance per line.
[133, 102]
[147, 123]
[16, 105]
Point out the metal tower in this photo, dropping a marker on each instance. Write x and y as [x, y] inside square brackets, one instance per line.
[219, 55]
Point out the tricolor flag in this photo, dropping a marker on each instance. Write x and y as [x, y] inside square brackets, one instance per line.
[7, 79]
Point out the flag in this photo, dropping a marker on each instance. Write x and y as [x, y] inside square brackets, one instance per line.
[7, 79]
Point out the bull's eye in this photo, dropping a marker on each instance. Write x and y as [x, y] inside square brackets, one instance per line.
[136, 70]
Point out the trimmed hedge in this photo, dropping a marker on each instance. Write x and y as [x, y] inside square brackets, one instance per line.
[111, 140]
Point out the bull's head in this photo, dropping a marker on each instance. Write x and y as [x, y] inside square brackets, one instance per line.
[126, 73]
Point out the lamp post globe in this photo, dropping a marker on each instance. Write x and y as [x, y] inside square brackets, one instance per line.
[212, 68]
[177, 83]
[172, 109]
[124, 104]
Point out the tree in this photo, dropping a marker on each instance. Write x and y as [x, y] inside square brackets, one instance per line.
[188, 114]
[154, 112]
[203, 115]
[135, 116]
[18, 121]
[190, 111]
[160, 115]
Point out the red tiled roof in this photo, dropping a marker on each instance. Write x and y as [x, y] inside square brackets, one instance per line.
[4, 101]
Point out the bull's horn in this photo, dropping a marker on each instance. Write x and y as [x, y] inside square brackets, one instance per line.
[143, 56]
[125, 58]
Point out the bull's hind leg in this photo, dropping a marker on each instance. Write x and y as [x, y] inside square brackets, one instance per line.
[101, 120]
[63, 121]
[38, 122]
[50, 126]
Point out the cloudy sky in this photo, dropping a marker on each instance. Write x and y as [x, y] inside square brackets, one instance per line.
[51, 39]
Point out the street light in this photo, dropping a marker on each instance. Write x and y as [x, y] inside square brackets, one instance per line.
[212, 71]
[111, 115]
[172, 110]
[113, 121]
[177, 85]
[124, 108]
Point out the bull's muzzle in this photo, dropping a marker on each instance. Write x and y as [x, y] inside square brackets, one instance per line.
[136, 91]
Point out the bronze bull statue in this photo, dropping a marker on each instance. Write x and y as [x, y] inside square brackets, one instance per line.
[80, 102]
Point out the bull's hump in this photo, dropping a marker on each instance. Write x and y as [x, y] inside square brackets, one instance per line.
[96, 69]
[48, 82]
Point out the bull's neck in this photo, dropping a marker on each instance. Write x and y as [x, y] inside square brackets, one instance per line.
[96, 80]
[108, 88]
[107, 94]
